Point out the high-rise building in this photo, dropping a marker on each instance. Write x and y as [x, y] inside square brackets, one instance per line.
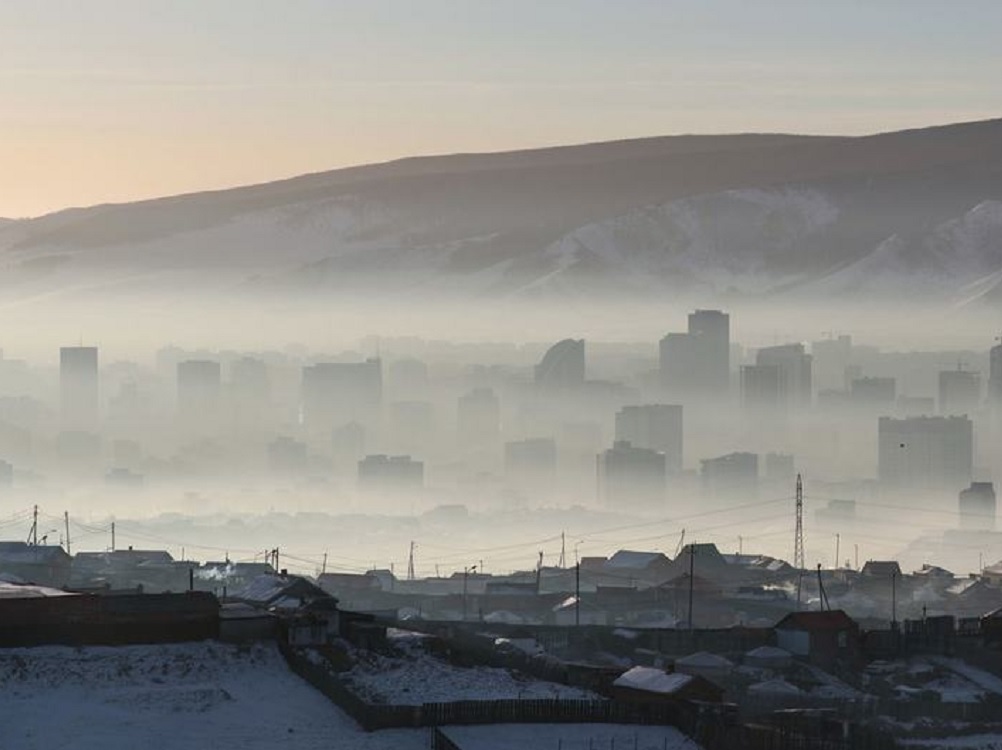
[710, 331]
[925, 452]
[249, 380]
[916, 406]
[531, 463]
[959, 392]
[563, 365]
[198, 391]
[287, 455]
[995, 375]
[794, 366]
[977, 507]
[339, 392]
[631, 477]
[390, 473]
[656, 427]
[697, 363]
[78, 388]
[831, 358]
[478, 417]
[877, 392]
[735, 474]
[760, 387]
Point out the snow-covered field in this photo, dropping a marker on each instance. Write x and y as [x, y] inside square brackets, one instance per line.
[419, 677]
[161, 697]
[568, 737]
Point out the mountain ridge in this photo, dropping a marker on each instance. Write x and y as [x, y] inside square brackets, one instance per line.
[488, 224]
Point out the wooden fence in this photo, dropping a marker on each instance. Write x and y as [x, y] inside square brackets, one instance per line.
[373, 716]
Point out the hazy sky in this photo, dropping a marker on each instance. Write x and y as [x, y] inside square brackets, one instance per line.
[112, 100]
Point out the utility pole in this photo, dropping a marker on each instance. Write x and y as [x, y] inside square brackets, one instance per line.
[798, 541]
[822, 595]
[112, 536]
[894, 600]
[33, 534]
[563, 552]
[466, 575]
[66, 521]
[856, 550]
[577, 594]
[323, 567]
[692, 568]
[838, 541]
[410, 564]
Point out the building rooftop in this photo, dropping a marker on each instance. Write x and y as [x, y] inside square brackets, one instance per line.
[653, 680]
[834, 619]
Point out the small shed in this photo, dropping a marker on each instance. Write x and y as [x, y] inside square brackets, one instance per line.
[828, 638]
[240, 623]
[650, 685]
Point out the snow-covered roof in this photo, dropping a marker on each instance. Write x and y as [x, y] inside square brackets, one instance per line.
[769, 652]
[28, 591]
[704, 659]
[282, 591]
[962, 585]
[776, 686]
[570, 601]
[634, 560]
[652, 680]
[504, 616]
[21, 553]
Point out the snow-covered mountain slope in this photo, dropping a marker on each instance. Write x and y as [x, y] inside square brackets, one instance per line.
[911, 213]
[171, 696]
[731, 240]
[959, 261]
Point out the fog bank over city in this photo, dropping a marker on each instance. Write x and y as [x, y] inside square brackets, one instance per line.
[561, 352]
[496, 451]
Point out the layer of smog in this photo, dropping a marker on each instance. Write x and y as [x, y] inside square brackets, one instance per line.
[501, 452]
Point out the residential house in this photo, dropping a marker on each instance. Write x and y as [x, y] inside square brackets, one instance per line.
[43, 564]
[308, 614]
[828, 638]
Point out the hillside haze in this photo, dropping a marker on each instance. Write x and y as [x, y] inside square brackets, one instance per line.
[912, 217]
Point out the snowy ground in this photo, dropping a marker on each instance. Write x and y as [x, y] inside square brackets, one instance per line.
[971, 742]
[984, 680]
[955, 680]
[172, 696]
[568, 737]
[418, 677]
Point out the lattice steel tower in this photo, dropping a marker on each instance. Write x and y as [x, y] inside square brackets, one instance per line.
[798, 541]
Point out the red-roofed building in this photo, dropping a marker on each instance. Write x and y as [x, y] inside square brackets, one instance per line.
[828, 639]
